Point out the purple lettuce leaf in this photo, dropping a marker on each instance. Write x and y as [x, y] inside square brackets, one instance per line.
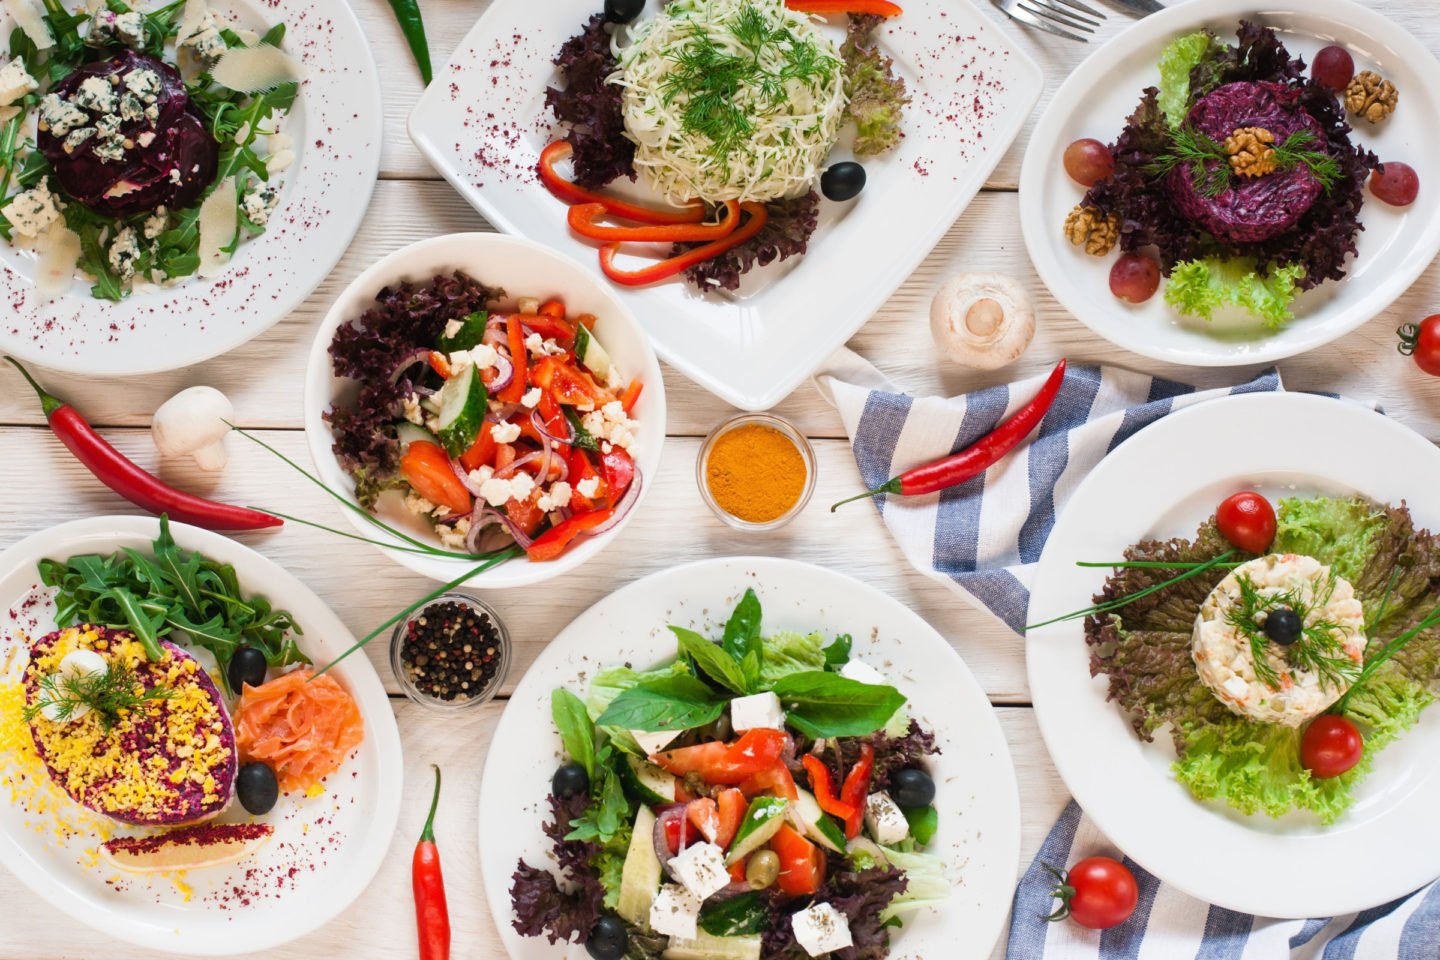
[591, 107]
[786, 234]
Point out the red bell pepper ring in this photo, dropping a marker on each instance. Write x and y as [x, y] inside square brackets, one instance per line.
[856, 788]
[571, 193]
[583, 219]
[666, 269]
[824, 789]
[879, 8]
[554, 542]
[726, 763]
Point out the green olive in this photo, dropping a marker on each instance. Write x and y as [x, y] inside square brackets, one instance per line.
[762, 870]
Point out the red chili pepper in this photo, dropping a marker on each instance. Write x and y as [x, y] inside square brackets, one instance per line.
[570, 193]
[976, 458]
[552, 542]
[432, 915]
[856, 788]
[824, 789]
[583, 216]
[880, 8]
[126, 478]
[669, 268]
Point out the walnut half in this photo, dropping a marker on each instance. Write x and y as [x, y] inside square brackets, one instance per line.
[1250, 151]
[1098, 234]
[1371, 96]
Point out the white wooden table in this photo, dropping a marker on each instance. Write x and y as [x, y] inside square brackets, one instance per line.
[41, 485]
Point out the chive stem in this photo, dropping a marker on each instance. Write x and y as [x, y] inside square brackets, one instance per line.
[1123, 601]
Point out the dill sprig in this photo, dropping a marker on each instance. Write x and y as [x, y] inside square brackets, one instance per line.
[1320, 648]
[1209, 165]
[1291, 153]
[107, 694]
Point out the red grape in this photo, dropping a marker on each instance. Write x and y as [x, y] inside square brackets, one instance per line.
[1135, 278]
[1395, 183]
[1333, 68]
[1088, 162]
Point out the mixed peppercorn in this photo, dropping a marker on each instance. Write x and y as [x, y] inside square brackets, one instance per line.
[451, 651]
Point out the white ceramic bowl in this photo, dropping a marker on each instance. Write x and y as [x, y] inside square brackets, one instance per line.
[523, 269]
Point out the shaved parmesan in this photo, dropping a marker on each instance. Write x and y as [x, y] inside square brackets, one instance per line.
[58, 256]
[30, 16]
[256, 69]
[219, 219]
[192, 21]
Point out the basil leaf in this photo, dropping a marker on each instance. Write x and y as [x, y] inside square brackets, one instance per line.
[712, 661]
[742, 631]
[572, 720]
[924, 821]
[821, 704]
[838, 653]
[665, 703]
[736, 917]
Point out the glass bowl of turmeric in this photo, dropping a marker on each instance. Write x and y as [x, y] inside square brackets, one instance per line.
[756, 471]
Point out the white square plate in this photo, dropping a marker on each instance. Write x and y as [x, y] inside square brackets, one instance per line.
[483, 123]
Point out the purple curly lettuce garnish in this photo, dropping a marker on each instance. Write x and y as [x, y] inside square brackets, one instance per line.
[591, 107]
[877, 95]
[891, 753]
[1257, 55]
[786, 234]
[406, 317]
[540, 905]
[859, 894]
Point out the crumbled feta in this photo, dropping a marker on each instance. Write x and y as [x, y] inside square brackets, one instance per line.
[588, 487]
[821, 929]
[505, 432]
[61, 116]
[542, 347]
[611, 424]
[258, 205]
[557, 497]
[15, 82]
[453, 327]
[758, 711]
[497, 491]
[418, 505]
[675, 912]
[95, 94]
[654, 742]
[484, 356]
[531, 398]
[32, 211]
[862, 672]
[156, 223]
[885, 820]
[410, 406]
[479, 476]
[124, 250]
[521, 486]
[454, 537]
[702, 869]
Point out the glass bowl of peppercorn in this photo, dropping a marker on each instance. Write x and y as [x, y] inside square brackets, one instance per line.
[451, 654]
[756, 471]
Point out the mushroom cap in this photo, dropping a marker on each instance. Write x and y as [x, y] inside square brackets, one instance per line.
[982, 320]
[191, 420]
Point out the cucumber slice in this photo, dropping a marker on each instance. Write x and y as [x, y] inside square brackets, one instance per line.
[589, 352]
[471, 332]
[816, 824]
[640, 877]
[647, 782]
[407, 433]
[763, 819]
[462, 411]
[706, 947]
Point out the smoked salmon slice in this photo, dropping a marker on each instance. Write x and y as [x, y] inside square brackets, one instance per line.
[302, 728]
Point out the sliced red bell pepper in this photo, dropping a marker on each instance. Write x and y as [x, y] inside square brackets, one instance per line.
[879, 8]
[519, 381]
[824, 789]
[584, 219]
[481, 452]
[571, 193]
[856, 788]
[683, 261]
[618, 471]
[561, 330]
[631, 396]
[439, 363]
[553, 542]
[554, 308]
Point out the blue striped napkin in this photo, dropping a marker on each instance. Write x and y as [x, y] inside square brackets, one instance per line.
[984, 537]
[1168, 925]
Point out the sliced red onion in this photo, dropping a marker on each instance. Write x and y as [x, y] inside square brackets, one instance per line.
[621, 508]
[483, 520]
[515, 532]
[494, 335]
[515, 465]
[408, 361]
[539, 421]
[463, 475]
[505, 411]
[504, 373]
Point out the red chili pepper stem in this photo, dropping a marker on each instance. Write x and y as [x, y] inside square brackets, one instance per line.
[427, 835]
[976, 458]
[48, 403]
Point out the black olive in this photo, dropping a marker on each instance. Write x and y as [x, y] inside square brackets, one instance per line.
[609, 939]
[256, 788]
[843, 181]
[912, 787]
[623, 11]
[570, 780]
[247, 665]
[1283, 626]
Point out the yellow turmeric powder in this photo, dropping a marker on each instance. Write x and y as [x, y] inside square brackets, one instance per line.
[755, 473]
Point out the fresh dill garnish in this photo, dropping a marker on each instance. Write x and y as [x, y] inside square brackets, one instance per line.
[1209, 165]
[1320, 648]
[106, 694]
[1291, 153]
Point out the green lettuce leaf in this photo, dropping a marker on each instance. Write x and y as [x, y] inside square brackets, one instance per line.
[1176, 62]
[1198, 288]
[789, 652]
[877, 95]
[925, 882]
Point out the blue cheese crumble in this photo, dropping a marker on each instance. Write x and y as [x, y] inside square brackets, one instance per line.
[32, 211]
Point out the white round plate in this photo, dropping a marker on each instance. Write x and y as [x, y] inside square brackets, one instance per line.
[979, 804]
[335, 128]
[325, 849]
[1394, 248]
[1163, 483]
[522, 268]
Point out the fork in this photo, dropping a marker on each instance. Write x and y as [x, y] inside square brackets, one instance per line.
[1059, 17]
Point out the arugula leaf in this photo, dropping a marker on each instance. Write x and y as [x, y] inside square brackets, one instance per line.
[838, 653]
[666, 703]
[821, 704]
[713, 661]
[576, 731]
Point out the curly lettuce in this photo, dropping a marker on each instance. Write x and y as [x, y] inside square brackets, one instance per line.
[1178, 58]
[877, 95]
[1198, 288]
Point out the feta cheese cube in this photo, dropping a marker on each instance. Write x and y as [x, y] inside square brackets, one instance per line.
[453, 327]
[654, 742]
[761, 710]
[32, 211]
[15, 82]
[885, 820]
[674, 912]
[505, 432]
[862, 672]
[821, 929]
[702, 869]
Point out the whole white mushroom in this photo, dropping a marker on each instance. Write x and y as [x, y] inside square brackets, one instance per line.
[982, 320]
[192, 424]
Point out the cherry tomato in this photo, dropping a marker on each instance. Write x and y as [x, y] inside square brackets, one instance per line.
[1422, 341]
[1098, 893]
[1330, 746]
[1248, 521]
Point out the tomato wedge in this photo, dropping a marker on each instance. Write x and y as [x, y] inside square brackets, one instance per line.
[631, 396]
[705, 815]
[526, 514]
[726, 763]
[618, 471]
[481, 452]
[564, 382]
[802, 864]
[572, 193]
[775, 781]
[427, 468]
[731, 807]
[559, 329]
